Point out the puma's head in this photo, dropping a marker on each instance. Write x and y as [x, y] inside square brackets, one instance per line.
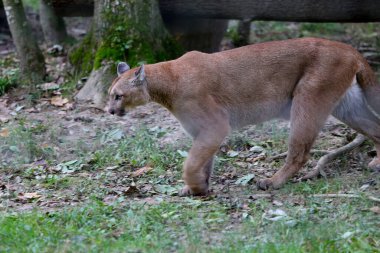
[128, 90]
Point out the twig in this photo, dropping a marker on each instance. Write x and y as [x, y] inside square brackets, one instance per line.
[318, 169]
[342, 195]
[283, 155]
[261, 195]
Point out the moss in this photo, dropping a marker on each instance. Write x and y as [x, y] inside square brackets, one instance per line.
[106, 53]
[82, 57]
[8, 80]
[125, 40]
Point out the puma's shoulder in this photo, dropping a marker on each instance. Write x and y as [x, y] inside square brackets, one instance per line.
[193, 56]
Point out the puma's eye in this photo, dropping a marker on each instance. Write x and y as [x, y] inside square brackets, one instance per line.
[118, 97]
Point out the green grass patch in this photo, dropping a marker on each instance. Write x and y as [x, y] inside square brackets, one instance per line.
[193, 226]
[8, 79]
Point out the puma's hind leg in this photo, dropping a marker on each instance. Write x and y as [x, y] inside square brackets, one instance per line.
[307, 116]
[354, 111]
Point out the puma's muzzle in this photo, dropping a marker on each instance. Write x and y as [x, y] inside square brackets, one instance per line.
[120, 112]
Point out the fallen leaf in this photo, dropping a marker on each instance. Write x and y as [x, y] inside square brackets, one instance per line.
[127, 191]
[4, 111]
[19, 108]
[4, 132]
[68, 106]
[256, 149]
[29, 195]
[245, 180]
[183, 153]
[141, 171]
[375, 209]
[347, 234]
[31, 110]
[165, 189]
[275, 215]
[4, 119]
[241, 164]
[277, 203]
[232, 153]
[59, 101]
[49, 86]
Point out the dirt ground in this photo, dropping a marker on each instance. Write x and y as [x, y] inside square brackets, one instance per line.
[77, 129]
[67, 133]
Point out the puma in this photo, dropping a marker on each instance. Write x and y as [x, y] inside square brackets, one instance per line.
[304, 80]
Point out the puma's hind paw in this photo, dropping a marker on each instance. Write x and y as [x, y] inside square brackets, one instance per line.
[272, 183]
[264, 184]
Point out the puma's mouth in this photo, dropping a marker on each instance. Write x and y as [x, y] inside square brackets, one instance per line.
[120, 113]
[117, 112]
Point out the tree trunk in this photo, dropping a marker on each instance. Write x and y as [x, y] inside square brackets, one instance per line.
[53, 26]
[131, 31]
[203, 34]
[4, 28]
[243, 32]
[32, 63]
[278, 10]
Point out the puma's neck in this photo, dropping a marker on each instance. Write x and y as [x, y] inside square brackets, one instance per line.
[161, 83]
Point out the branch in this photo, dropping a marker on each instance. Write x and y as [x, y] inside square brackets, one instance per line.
[283, 155]
[318, 169]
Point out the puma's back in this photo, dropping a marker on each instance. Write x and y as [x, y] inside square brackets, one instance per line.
[258, 82]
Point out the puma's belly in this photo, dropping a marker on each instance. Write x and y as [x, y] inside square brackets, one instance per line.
[250, 114]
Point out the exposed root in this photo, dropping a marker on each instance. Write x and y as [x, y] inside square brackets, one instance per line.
[324, 160]
[283, 155]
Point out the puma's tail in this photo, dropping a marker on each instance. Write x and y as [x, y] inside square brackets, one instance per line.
[371, 88]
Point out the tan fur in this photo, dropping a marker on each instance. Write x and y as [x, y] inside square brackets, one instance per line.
[210, 94]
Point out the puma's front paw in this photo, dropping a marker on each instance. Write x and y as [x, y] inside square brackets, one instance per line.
[187, 191]
[264, 184]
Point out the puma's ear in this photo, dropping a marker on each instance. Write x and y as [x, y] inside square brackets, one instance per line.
[122, 67]
[140, 73]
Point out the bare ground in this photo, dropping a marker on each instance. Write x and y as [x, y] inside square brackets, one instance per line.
[67, 132]
[40, 143]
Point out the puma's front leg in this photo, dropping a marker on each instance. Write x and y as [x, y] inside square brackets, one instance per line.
[208, 123]
[198, 167]
[207, 170]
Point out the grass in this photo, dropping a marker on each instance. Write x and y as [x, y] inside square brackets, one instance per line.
[162, 223]
[8, 74]
[89, 179]
[193, 226]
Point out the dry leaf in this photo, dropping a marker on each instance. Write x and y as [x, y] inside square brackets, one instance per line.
[126, 191]
[31, 110]
[4, 111]
[4, 132]
[68, 106]
[59, 101]
[130, 190]
[375, 209]
[49, 86]
[141, 171]
[29, 196]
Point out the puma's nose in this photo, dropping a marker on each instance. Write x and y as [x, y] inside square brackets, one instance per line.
[112, 111]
